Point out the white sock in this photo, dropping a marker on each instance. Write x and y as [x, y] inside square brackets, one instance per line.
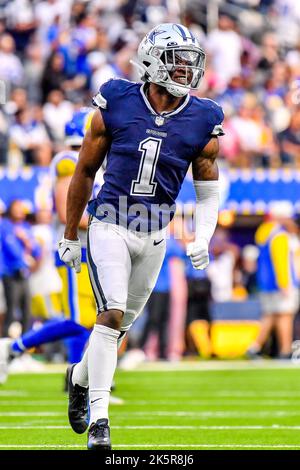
[102, 362]
[80, 374]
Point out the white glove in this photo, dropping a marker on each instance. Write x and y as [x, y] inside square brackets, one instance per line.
[198, 252]
[70, 253]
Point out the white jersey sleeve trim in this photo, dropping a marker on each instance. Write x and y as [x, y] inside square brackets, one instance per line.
[99, 101]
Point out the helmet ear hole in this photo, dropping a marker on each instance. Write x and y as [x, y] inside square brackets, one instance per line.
[145, 62]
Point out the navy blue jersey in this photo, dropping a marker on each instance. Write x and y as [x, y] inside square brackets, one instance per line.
[149, 155]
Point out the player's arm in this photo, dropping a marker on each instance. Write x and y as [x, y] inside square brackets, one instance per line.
[94, 148]
[205, 175]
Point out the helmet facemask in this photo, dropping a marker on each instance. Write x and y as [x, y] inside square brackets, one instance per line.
[183, 70]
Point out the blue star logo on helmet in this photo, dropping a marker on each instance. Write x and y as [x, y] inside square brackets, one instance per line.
[154, 33]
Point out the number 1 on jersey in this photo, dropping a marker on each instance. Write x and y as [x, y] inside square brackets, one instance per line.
[144, 184]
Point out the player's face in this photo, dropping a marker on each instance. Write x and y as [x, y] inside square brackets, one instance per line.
[180, 65]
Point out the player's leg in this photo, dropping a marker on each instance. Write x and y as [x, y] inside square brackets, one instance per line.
[268, 306]
[144, 273]
[145, 270]
[125, 270]
[53, 330]
[266, 327]
[109, 266]
[25, 305]
[163, 319]
[86, 316]
[10, 292]
[284, 331]
[287, 307]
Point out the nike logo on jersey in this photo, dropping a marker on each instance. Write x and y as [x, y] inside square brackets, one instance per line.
[67, 249]
[93, 401]
[157, 243]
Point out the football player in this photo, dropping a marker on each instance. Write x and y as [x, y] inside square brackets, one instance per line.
[151, 133]
[76, 301]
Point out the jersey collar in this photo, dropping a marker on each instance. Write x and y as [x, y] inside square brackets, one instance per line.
[164, 113]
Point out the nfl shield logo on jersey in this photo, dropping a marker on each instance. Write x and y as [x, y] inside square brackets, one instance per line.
[159, 120]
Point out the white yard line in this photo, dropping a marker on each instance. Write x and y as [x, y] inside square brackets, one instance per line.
[193, 414]
[154, 446]
[34, 403]
[215, 414]
[31, 413]
[263, 393]
[274, 427]
[214, 402]
[200, 402]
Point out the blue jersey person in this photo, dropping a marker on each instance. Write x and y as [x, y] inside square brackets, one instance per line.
[150, 133]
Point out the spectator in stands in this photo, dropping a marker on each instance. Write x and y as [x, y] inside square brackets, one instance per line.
[34, 68]
[225, 47]
[289, 141]
[249, 131]
[198, 311]
[29, 135]
[46, 12]
[21, 22]
[101, 70]
[234, 94]
[269, 54]
[230, 148]
[221, 267]
[20, 253]
[18, 101]
[57, 112]
[2, 296]
[249, 257]
[54, 76]
[277, 280]
[3, 137]
[11, 68]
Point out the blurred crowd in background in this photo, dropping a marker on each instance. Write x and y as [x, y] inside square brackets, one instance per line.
[55, 54]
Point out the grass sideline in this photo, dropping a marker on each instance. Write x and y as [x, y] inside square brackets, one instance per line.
[195, 406]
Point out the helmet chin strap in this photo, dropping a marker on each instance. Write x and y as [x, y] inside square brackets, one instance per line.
[177, 91]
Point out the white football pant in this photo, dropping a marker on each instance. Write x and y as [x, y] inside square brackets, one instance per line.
[123, 267]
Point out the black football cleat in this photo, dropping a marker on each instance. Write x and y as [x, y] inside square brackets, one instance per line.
[78, 410]
[99, 436]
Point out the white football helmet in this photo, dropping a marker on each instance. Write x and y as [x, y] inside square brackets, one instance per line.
[170, 56]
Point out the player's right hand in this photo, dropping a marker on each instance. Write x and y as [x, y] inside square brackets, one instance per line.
[70, 253]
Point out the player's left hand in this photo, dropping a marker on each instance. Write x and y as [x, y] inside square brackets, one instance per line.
[70, 253]
[198, 252]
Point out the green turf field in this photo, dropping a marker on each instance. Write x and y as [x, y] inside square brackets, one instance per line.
[240, 406]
